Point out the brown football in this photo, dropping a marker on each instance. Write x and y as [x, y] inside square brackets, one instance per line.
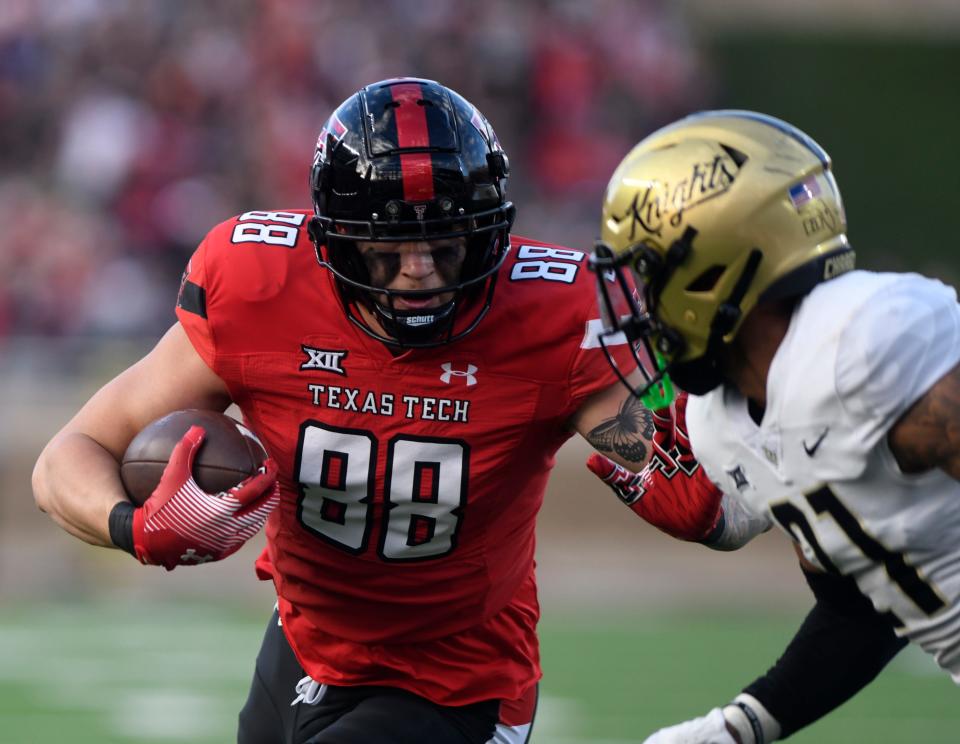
[229, 453]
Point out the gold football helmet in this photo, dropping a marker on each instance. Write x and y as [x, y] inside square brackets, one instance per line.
[713, 213]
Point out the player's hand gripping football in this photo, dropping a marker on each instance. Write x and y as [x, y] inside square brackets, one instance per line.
[180, 524]
[672, 492]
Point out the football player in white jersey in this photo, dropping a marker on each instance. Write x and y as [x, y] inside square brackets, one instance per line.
[823, 399]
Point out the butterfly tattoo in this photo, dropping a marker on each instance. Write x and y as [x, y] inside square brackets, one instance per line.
[627, 433]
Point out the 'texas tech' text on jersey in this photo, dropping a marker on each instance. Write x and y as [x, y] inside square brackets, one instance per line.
[410, 482]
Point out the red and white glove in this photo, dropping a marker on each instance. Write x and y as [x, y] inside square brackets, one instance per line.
[672, 492]
[180, 524]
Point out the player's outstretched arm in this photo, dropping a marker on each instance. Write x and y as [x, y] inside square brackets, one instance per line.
[76, 479]
[666, 486]
[927, 436]
[617, 424]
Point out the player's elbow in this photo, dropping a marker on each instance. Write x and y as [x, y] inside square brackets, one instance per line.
[39, 480]
[44, 475]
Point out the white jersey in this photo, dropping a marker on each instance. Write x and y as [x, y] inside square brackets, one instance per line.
[860, 350]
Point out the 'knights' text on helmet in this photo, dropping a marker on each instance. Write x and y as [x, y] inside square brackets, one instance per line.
[714, 214]
[410, 160]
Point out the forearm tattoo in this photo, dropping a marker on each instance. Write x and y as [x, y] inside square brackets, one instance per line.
[628, 434]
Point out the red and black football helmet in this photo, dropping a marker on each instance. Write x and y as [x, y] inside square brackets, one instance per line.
[411, 160]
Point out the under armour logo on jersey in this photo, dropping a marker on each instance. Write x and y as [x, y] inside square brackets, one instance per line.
[329, 361]
[449, 371]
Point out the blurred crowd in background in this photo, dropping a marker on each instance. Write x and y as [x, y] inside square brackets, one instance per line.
[129, 128]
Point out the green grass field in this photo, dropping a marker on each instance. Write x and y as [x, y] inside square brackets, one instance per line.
[178, 673]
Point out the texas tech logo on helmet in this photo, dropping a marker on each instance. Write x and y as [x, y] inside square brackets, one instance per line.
[333, 128]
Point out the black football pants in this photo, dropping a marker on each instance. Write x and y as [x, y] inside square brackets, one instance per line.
[349, 715]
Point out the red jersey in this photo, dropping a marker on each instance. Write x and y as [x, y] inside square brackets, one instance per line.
[403, 548]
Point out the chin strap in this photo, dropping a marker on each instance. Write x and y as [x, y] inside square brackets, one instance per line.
[414, 326]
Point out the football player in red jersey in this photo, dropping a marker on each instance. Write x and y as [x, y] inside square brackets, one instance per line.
[411, 419]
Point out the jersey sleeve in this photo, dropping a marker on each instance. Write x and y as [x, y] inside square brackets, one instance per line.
[192, 310]
[896, 348]
[227, 302]
[592, 370]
